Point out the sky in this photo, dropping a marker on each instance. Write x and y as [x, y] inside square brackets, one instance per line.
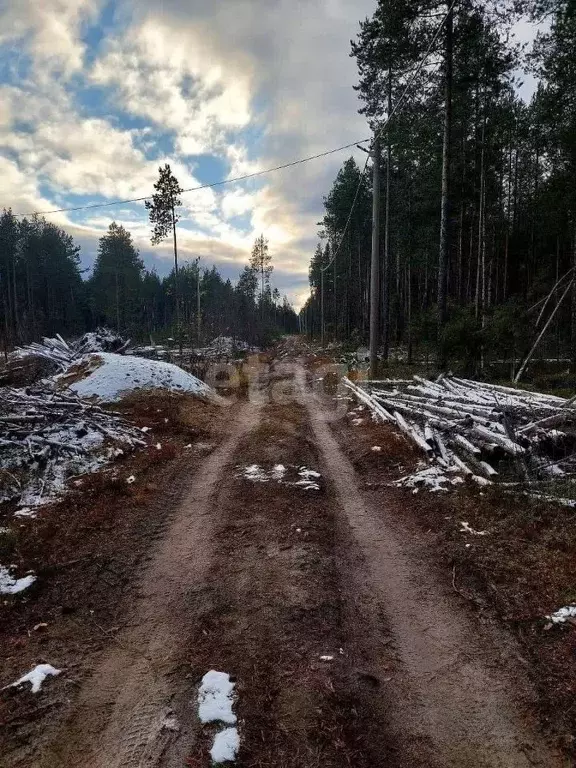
[95, 95]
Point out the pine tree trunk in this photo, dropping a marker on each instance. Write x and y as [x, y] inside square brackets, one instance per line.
[481, 225]
[573, 298]
[118, 329]
[15, 302]
[446, 158]
[386, 270]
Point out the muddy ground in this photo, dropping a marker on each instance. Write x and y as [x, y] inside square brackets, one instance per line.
[351, 638]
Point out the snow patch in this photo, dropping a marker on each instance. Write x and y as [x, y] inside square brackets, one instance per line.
[109, 377]
[215, 698]
[467, 529]
[255, 473]
[433, 479]
[563, 614]
[279, 473]
[25, 512]
[226, 745]
[11, 586]
[36, 677]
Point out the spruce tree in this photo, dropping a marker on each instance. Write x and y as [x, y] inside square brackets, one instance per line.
[116, 282]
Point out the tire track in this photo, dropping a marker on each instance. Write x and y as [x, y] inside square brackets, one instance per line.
[451, 707]
[124, 717]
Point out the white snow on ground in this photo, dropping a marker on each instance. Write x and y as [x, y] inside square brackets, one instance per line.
[215, 698]
[25, 512]
[111, 376]
[467, 529]
[433, 479]
[563, 614]
[255, 473]
[36, 677]
[306, 478]
[11, 586]
[226, 746]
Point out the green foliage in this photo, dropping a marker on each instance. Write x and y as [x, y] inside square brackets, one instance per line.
[162, 207]
[461, 339]
[41, 289]
[512, 192]
[509, 331]
[117, 281]
[261, 264]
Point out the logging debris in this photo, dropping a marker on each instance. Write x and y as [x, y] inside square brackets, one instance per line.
[48, 437]
[63, 353]
[486, 432]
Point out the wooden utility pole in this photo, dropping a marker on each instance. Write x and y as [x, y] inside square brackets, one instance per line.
[386, 267]
[375, 263]
[176, 282]
[198, 317]
[322, 307]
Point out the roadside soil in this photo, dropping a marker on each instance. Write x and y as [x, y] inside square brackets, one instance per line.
[329, 607]
[86, 551]
[509, 579]
[454, 703]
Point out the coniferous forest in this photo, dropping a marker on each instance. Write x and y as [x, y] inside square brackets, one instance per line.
[478, 187]
[43, 291]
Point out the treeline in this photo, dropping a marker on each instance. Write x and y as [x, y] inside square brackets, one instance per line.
[478, 193]
[42, 291]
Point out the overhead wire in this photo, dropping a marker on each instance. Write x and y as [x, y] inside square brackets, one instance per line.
[201, 186]
[265, 171]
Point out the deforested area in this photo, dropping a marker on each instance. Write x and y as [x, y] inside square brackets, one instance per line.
[287, 384]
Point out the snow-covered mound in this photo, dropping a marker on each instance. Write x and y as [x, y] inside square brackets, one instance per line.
[108, 377]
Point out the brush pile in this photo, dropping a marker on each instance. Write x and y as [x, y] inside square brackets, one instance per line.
[63, 353]
[483, 431]
[47, 437]
[225, 346]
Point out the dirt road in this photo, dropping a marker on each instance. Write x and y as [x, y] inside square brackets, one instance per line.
[347, 647]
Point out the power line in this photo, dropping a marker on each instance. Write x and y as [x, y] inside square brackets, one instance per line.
[389, 117]
[202, 186]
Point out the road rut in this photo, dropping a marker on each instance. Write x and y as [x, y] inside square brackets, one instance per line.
[452, 706]
[124, 718]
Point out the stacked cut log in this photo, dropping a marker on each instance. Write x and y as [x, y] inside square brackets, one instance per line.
[485, 431]
[46, 435]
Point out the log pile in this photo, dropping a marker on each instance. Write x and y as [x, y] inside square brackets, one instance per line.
[484, 431]
[47, 436]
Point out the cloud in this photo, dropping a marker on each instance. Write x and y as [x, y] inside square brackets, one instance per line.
[51, 29]
[168, 75]
[253, 82]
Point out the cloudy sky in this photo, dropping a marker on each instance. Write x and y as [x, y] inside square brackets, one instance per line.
[96, 94]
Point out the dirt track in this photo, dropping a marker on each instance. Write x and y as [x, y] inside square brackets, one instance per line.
[262, 580]
[451, 703]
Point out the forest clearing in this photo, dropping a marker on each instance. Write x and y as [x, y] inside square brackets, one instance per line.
[288, 384]
[263, 534]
